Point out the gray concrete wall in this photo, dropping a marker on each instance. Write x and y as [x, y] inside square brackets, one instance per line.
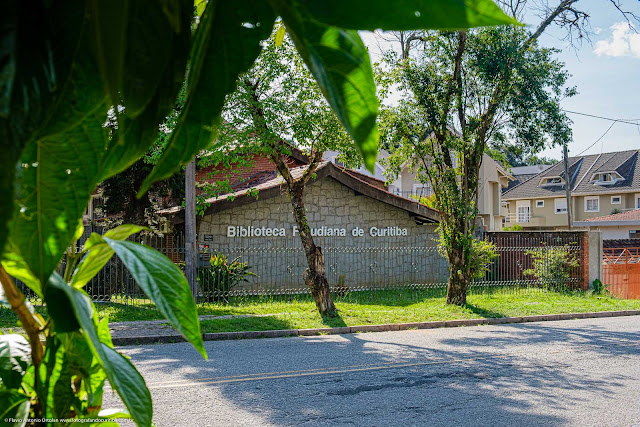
[595, 256]
[363, 260]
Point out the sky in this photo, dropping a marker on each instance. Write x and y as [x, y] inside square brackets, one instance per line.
[606, 73]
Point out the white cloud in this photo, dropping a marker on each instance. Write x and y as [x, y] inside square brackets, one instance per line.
[623, 42]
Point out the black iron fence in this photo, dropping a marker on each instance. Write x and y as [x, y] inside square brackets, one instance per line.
[244, 270]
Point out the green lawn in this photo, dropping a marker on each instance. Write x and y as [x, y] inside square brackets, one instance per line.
[370, 308]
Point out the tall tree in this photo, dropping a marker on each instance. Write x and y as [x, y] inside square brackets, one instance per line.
[278, 105]
[462, 90]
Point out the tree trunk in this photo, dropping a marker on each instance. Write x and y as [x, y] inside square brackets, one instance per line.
[458, 279]
[314, 276]
[190, 253]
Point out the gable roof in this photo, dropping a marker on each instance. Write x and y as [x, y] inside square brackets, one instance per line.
[581, 170]
[272, 185]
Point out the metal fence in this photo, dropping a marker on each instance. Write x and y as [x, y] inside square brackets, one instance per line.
[414, 268]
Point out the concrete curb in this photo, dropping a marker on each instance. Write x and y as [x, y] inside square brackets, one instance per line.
[219, 336]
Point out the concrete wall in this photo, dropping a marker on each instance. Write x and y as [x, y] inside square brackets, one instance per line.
[363, 260]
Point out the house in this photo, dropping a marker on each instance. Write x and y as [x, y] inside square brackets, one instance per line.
[522, 173]
[347, 211]
[618, 226]
[600, 184]
[493, 180]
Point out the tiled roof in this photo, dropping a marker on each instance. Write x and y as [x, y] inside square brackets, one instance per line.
[632, 215]
[581, 170]
[271, 185]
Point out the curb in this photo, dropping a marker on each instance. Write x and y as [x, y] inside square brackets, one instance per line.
[220, 336]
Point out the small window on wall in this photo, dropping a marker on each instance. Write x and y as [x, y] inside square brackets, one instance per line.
[592, 204]
[616, 200]
[634, 234]
[539, 203]
[561, 206]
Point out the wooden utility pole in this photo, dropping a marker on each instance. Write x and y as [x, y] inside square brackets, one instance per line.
[190, 253]
[567, 185]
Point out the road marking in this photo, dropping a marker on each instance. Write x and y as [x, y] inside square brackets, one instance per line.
[315, 372]
[339, 370]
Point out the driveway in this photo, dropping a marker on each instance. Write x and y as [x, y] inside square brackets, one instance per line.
[566, 373]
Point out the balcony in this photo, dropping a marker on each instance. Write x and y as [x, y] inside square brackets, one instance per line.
[525, 220]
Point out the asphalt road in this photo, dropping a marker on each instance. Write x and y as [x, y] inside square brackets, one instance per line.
[567, 373]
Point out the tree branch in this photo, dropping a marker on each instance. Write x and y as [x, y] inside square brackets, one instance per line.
[30, 324]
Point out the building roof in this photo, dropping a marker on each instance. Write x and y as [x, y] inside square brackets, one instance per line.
[581, 171]
[631, 217]
[272, 185]
[529, 170]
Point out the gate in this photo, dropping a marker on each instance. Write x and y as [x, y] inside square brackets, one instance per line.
[621, 271]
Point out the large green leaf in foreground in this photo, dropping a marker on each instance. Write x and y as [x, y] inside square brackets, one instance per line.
[339, 61]
[122, 375]
[406, 14]
[164, 284]
[15, 357]
[226, 43]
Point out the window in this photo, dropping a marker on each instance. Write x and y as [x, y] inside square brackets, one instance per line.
[523, 211]
[592, 204]
[560, 205]
[539, 203]
[616, 200]
[637, 201]
[551, 180]
[634, 234]
[606, 178]
[422, 190]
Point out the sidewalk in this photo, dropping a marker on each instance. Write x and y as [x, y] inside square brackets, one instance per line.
[159, 331]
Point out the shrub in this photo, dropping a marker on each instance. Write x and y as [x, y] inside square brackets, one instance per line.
[482, 254]
[514, 227]
[599, 288]
[222, 277]
[552, 265]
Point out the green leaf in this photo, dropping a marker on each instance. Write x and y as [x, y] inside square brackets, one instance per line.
[100, 253]
[165, 285]
[14, 404]
[15, 357]
[124, 378]
[55, 391]
[124, 231]
[134, 41]
[54, 186]
[226, 43]
[35, 64]
[406, 14]
[18, 268]
[158, 40]
[339, 61]
[280, 35]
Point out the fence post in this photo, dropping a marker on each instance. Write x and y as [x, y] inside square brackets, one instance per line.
[595, 256]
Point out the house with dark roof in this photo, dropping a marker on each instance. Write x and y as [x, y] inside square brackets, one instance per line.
[600, 184]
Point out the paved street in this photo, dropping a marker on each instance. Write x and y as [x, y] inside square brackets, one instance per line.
[568, 373]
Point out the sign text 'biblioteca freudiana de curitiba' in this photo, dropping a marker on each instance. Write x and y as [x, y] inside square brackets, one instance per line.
[324, 231]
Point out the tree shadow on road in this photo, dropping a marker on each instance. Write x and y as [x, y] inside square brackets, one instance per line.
[499, 375]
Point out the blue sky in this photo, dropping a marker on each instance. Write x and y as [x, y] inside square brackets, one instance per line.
[607, 75]
[605, 71]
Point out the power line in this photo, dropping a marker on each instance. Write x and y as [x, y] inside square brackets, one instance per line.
[632, 122]
[598, 140]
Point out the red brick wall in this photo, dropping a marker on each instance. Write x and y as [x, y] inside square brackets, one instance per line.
[513, 259]
[237, 173]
